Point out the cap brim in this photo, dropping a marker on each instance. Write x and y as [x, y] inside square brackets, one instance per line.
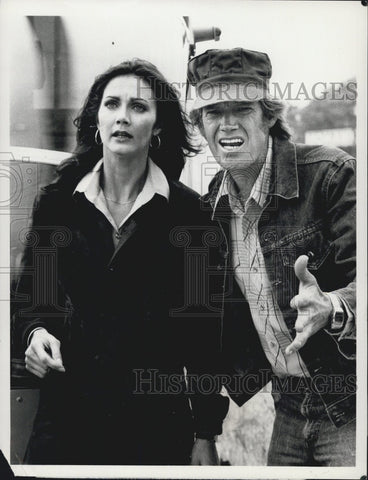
[210, 94]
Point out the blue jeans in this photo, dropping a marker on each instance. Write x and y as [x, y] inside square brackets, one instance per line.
[304, 435]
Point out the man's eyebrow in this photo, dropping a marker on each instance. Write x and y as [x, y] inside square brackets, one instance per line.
[245, 105]
[211, 108]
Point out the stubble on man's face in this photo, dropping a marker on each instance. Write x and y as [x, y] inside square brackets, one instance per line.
[237, 134]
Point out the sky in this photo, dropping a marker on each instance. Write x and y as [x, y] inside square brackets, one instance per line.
[306, 41]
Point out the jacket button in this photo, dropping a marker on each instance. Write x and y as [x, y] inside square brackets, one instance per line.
[219, 267]
[111, 269]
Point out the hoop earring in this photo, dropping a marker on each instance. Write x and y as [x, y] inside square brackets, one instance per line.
[96, 141]
[158, 142]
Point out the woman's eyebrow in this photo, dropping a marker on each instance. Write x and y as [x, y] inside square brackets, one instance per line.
[139, 98]
[132, 99]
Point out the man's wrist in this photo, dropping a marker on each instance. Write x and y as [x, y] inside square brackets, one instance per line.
[338, 316]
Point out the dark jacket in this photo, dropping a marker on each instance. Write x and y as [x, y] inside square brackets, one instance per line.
[128, 320]
[310, 210]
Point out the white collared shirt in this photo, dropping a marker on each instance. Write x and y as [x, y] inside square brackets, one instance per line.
[156, 182]
[250, 271]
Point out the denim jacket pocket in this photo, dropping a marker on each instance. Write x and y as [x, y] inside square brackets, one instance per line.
[310, 241]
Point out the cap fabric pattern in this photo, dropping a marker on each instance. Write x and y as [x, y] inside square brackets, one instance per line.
[229, 75]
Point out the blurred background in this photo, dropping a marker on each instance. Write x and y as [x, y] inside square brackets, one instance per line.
[56, 54]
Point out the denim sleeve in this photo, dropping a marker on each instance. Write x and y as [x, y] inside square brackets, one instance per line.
[341, 211]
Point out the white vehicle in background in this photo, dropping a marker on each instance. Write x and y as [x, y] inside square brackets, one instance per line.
[53, 63]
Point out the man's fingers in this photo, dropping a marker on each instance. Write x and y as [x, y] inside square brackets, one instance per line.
[300, 302]
[302, 321]
[303, 274]
[294, 302]
[299, 341]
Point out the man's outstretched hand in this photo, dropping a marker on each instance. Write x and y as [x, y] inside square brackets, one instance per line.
[314, 306]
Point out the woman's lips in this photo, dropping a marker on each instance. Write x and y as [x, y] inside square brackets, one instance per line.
[122, 135]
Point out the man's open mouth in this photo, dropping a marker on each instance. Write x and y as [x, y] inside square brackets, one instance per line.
[231, 143]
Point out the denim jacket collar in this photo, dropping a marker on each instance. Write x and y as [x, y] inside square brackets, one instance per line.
[284, 179]
[284, 182]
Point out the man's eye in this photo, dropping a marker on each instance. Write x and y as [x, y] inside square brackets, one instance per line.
[243, 109]
[211, 113]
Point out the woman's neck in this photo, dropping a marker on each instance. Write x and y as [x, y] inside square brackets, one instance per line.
[123, 178]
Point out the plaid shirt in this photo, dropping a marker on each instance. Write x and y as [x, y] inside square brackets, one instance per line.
[250, 271]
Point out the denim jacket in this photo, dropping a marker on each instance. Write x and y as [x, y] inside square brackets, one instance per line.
[310, 210]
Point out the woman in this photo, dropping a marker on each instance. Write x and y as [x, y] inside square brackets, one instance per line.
[99, 329]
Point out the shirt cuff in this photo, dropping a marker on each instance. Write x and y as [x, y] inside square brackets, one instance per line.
[31, 333]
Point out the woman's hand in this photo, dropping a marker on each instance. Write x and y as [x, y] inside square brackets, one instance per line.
[204, 452]
[43, 353]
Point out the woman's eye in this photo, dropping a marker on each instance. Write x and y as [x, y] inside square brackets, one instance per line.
[138, 107]
[110, 104]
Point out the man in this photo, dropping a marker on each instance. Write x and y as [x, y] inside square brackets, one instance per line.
[287, 212]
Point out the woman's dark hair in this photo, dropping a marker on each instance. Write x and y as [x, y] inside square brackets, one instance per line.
[174, 135]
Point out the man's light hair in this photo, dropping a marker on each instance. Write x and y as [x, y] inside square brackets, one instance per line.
[270, 108]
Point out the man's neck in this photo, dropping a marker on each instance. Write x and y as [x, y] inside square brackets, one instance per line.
[245, 178]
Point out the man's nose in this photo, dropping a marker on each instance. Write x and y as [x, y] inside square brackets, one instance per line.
[228, 121]
[123, 115]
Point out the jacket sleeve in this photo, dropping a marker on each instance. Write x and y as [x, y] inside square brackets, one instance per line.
[209, 406]
[341, 211]
[39, 300]
[197, 281]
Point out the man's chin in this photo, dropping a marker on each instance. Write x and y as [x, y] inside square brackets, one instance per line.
[234, 161]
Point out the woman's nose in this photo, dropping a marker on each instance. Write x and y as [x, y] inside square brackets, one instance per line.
[123, 116]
